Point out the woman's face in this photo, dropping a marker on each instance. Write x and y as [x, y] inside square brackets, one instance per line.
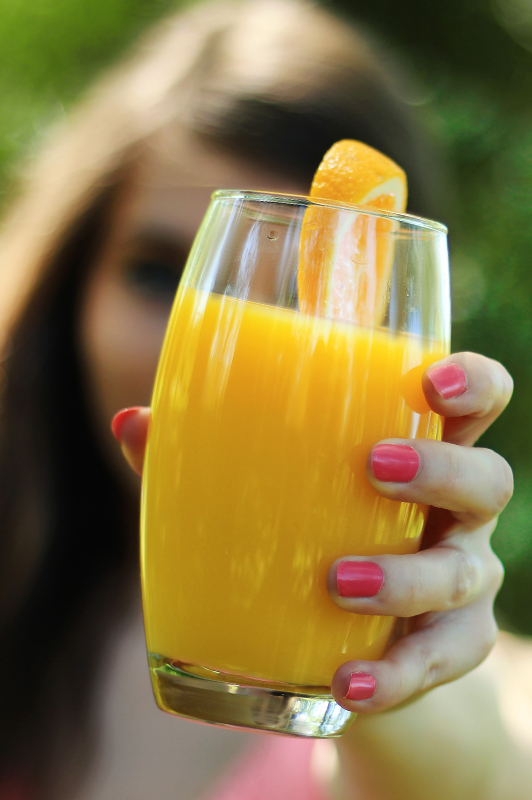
[129, 293]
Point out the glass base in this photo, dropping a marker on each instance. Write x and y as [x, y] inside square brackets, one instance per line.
[213, 697]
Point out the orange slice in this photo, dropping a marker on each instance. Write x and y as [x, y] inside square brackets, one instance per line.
[346, 257]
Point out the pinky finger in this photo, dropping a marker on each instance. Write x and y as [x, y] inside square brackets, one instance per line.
[442, 649]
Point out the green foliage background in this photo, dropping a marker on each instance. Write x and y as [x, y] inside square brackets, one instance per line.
[471, 64]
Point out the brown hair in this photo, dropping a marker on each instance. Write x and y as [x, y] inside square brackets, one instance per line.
[272, 80]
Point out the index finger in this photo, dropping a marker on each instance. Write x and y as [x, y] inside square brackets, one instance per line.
[470, 390]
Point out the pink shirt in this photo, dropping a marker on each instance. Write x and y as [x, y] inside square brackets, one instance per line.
[278, 768]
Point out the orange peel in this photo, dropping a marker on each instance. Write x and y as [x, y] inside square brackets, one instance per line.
[346, 257]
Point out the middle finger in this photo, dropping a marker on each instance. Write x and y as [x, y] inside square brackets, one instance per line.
[474, 484]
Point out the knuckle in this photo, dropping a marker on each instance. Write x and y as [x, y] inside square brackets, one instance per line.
[488, 638]
[507, 484]
[484, 632]
[433, 666]
[502, 486]
[496, 574]
[506, 384]
[466, 579]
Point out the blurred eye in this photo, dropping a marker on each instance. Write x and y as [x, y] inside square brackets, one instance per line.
[153, 267]
[155, 279]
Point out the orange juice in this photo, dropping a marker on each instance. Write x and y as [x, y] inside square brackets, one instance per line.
[255, 483]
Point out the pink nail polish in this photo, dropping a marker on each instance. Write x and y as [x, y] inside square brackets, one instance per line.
[359, 578]
[449, 380]
[362, 686]
[117, 423]
[397, 463]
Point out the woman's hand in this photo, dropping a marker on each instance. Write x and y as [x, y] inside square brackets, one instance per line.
[445, 593]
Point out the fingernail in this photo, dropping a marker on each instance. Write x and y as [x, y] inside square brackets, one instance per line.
[396, 463]
[117, 423]
[359, 578]
[449, 380]
[362, 686]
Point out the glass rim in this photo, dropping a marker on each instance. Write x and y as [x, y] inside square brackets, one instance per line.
[302, 200]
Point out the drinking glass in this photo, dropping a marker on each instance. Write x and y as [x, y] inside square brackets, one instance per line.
[264, 412]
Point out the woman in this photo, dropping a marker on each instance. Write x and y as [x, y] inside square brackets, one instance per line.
[227, 94]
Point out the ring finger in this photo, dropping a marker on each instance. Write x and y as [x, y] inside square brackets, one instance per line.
[452, 574]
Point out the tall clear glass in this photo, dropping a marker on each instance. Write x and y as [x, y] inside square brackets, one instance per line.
[264, 411]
